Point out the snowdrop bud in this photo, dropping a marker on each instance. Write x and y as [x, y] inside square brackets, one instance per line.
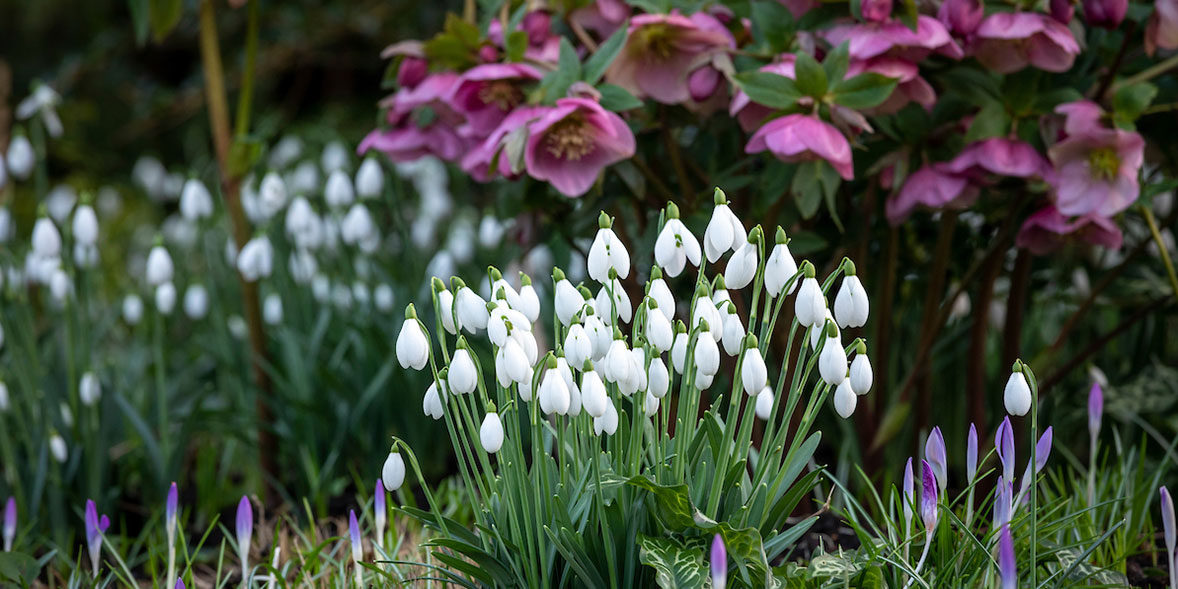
[607, 252]
[780, 267]
[393, 472]
[431, 404]
[85, 225]
[46, 238]
[844, 400]
[676, 246]
[810, 305]
[272, 309]
[256, 259]
[195, 200]
[446, 310]
[658, 378]
[58, 448]
[707, 355]
[742, 267]
[861, 374]
[132, 309]
[832, 361]
[567, 300]
[817, 334]
[554, 393]
[577, 347]
[593, 396]
[661, 293]
[650, 405]
[764, 407]
[382, 297]
[89, 389]
[369, 179]
[464, 378]
[20, 157]
[529, 301]
[60, 285]
[850, 305]
[617, 362]
[196, 301]
[724, 232]
[659, 331]
[1017, 396]
[679, 352]
[471, 310]
[412, 343]
[271, 195]
[754, 375]
[608, 422]
[165, 298]
[733, 334]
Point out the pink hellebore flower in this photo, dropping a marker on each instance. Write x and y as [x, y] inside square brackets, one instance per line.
[911, 87]
[1007, 42]
[962, 17]
[661, 50]
[933, 187]
[542, 46]
[420, 123]
[414, 68]
[749, 114]
[876, 10]
[1105, 13]
[894, 38]
[1000, 156]
[506, 141]
[486, 93]
[800, 138]
[1046, 229]
[1162, 29]
[1080, 116]
[570, 143]
[1063, 10]
[799, 7]
[706, 84]
[602, 17]
[1095, 168]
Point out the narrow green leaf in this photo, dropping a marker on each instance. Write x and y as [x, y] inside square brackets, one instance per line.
[1130, 101]
[772, 90]
[597, 63]
[617, 98]
[836, 62]
[517, 44]
[811, 78]
[864, 91]
[165, 14]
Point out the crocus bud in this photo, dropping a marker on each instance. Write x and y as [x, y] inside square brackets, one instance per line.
[1105, 13]
[754, 374]
[764, 407]
[845, 400]
[1004, 446]
[21, 157]
[10, 523]
[357, 545]
[928, 497]
[1017, 395]
[171, 509]
[393, 472]
[961, 17]
[380, 512]
[196, 301]
[935, 455]
[159, 266]
[89, 389]
[245, 532]
[132, 309]
[971, 454]
[742, 267]
[95, 527]
[1007, 568]
[851, 305]
[676, 247]
[165, 298]
[369, 179]
[718, 561]
[909, 494]
[861, 376]
[195, 201]
[1168, 530]
[491, 433]
[1095, 409]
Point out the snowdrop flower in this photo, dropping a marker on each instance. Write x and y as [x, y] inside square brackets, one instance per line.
[9, 523]
[754, 375]
[341, 296]
[593, 395]
[620, 303]
[659, 331]
[60, 201]
[502, 290]
[661, 293]
[862, 376]
[95, 527]
[60, 285]
[431, 403]
[271, 195]
[577, 346]
[20, 157]
[43, 101]
[46, 239]
[832, 360]
[554, 393]
[464, 377]
[159, 266]
[4, 402]
[470, 308]
[706, 311]
[607, 423]
[810, 305]
[89, 389]
[359, 229]
[237, 327]
[412, 343]
[529, 301]
[369, 179]
[733, 333]
[1017, 395]
[844, 400]
[743, 266]
[393, 472]
[303, 226]
[724, 232]
[245, 533]
[57, 447]
[676, 246]
[607, 253]
[679, 351]
[764, 407]
[272, 309]
[566, 373]
[934, 453]
[7, 226]
[85, 225]
[256, 259]
[67, 416]
[334, 157]
[600, 335]
[196, 301]
[132, 309]
[658, 378]
[491, 432]
[165, 298]
[286, 151]
[780, 268]
[567, 300]
[491, 230]
[850, 304]
[707, 354]
[339, 192]
[195, 201]
[617, 362]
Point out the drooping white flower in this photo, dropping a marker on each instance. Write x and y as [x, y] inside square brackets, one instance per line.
[566, 374]
[724, 232]
[577, 346]
[658, 378]
[650, 405]
[659, 331]
[513, 366]
[393, 472]
[44, 100]
[85, 256]
[132, 309]
[89, 389]
[862, 376]
[780, 268]
[85, 225]
[553, 393]
[46, 239]
[704, 381]
[4, 402]
[707, 355]
[446, 310]
[382, 297]
[850, 305]
[20, 157]
[617, 362]
[60, 285]
[600, 335]
[196, 301]
[832, 362]
[272, 309]
[661, 293]
[706, 311]
[359, 230]
[637, 377]
[764, 406]
[58, 448]
[620, 303]
[7, 225]
[471, 310]
[431, 403]
[302, 265]
[679, 352]
[334, 157]
[818, 332]
[845, 400]
[339, 192]
[607, 423]
[369, 179]
[501, 290]
[464, 377]
[754, 375]
[607, 252]
[303, 226]
[593, 395]
[567, 301]
[1017, 395]
[271, 196]
[529, 302]
[60, 201]
[742, 267]
[491, 231]
[676, 247]
[412, 345]
[491, 433]
[810, 305]
[165, 298]
[256, 259]
[195, 201]
[733, 331]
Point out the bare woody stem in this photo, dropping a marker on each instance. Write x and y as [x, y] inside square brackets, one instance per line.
[219, 124]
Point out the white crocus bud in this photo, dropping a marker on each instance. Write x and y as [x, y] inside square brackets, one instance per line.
[754, 375]
[85, 225]
[165, 298]
[658, 378]
[621, 303]
[850, 305]
[832, 361]
[862, 376]
[593, 395]
[271, 195]
[659, 331]
[724, 232]
[676, 246]
[661, 293]
[764, 406]
[369, 179]
[89, 389]
[733, 333]
[272, 309]
[529, 302]
[256, 259]
[58, 448]
[845, 400]
[159, 266]
[607, 423]
[46, 239]
[567, 300]
[607, 252]
[553, 392]
[464, 377]
[780, 267]
[742, 267]
[196, 301]
[132, 309]
[707, 355]
[21, 157]
[471, 310]
[617, 362]
[339, 192]
[412, 343]
[431, 403]
[679, 352]
[577, 346]
[491, 433]
[1017, 396]
[810, 305]
[393, 472]
[195, 201]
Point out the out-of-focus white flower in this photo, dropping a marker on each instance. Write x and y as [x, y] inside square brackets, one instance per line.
[44, 101]
[339, 192]
[676, 246]
[7, 226]
[4, 401]
[195, 201]
[46, 239]
[256, 259]
[393, 472]
[742, 267]
[196, 301]
[165, 298]
[272, 309]
[369, 179]
[20, 157]
[320, 288]
[607, 252]
[60, 285]
[85, 256]
[237, 327]
[287, 150]
[334, 157]
[271, 195]
[302, 266]
[341, 296]
[179, 232]
[850, 305]
[89, 389]
[382, 297]
[724, 232]
[304, 179]
[58, 448]
[845, 400]
[358, 229]
[150, 175]
[132, 309]
[85, 225]
[360, 293]
[3, 173]
[159, 267]
[764, 406]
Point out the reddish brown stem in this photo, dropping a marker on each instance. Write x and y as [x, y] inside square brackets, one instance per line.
[1016, 306]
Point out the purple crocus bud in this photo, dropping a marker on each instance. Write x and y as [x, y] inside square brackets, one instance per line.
[9, 523]
[354, 536]
[1095, 409]
[95, 526]
[180, 584]
[1002, 502]
[245, 531]
[170, 507]
[719, 562]
[1043, 449]
[1006, 564]
[971, 454]
[1004, 444]
[381, 512]
[909, 493]
[1168, 528]
[928, 497]
[934, 453]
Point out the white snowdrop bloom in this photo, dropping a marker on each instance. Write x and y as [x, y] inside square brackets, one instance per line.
[704, 381]
[1017, 395]
[179, 232]
[567, 300]
[471, 310]
[764, 406]
[89, 389]
[272, 309]
[358, 229]
[638, 368]
[287, 150]
[173, 184]
[20, 157]
[431, 404]
[620, 304]
[85, 225]
[392, 474]
[845, 400]
[339, 192]
[850, 304]
[617, 362]
[529, 302]
[60, 202]
[650, 405]
[464, 377]
[7, 226]
[679, 352]
[491, 433]
[661, 293]
[659, 331]
[607, 252]
[528, 342]
[302, 265]
[382, 297]
[446, 310]
[676, 247]
[304, 179]
[593, 395]
[566, 373]
[132, 309]
[271, 196]
[46, 239]
[85, 256]
[491, 231]
[44, 101]
[509, 293]
[412, 344]
[501, 375]
[658, 377]
[165, 298]
[60, 285]
[862, 376]
[460, 240]
[607, 423]
[67, 416]
[780, 268]
[754, 375]
[832, 362]
[320, 288]
[58, 448]
[707, 355]
[237, 327]
[720, 298]
[334, 157]
[302, 225]
[360, 293]
[600, 335]
[503, 319]
[706, 311]
[553, 393]
[5, 404]
[159, 267]
[733, 331]
[742, 267]
[577, 346]
[196, 301]
[195, 201]
[341, 296]
[818, 331]
[256, 259]
[810, 305]
[369, 179]
[3, 173]
[230, 251]
[724, 232]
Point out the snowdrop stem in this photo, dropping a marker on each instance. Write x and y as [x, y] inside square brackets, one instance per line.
[429, 496]
[160, 368]
[459, 442]
[1165, 255]
[1033, 470]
